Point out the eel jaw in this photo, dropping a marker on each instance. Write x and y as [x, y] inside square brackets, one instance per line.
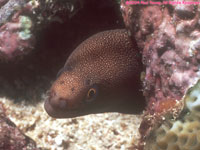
[60, 113]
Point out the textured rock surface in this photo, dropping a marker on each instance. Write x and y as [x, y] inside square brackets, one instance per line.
[168, 37]
[21, 21]
[181, 133]
[11, 138]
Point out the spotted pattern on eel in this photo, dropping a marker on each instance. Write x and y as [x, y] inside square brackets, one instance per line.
[101, 75]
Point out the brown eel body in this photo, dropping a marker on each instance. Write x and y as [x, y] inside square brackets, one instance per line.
[101, 75]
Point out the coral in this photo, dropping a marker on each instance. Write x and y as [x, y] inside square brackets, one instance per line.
[2, 2]
[192, 101]
[16, 38]
[21, 22]
[168, 37]
[13, 41]
[183, 133]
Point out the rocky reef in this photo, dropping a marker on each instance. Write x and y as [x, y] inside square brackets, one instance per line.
[168, 36]
[11, 138]
[21, 21]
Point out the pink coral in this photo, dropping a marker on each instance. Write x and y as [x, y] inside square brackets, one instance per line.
[168, 37]
[2, 2]
[21, 21]
[15, 30]
[11, 44]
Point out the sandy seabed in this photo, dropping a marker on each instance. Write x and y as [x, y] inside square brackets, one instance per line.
[108, 131]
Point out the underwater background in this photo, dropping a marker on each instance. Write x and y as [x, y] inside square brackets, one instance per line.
[36, 37]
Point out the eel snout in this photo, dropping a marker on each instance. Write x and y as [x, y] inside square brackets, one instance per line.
[59, 106]
[55, 105]
[56, 101]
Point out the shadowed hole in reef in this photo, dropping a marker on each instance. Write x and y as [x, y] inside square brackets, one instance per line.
[31, 77]
[161, 134]
[192, 142]
[174, 147]
[162, 145]
[183, 139]
[190, 130]
[180, 128]
[193, 99]
[197, 108]
[171, 137]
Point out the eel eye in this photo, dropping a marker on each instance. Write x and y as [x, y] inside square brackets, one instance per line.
[91, 95]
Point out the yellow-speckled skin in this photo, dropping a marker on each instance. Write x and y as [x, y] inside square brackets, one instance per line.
[110, 65]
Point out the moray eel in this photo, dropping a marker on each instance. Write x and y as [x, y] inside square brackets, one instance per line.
[101, 75]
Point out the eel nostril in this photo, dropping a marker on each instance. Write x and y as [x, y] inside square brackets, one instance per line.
[52, 98]
[52, 94]
[57, 102]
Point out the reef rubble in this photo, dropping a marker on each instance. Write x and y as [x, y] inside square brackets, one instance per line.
[11, 138]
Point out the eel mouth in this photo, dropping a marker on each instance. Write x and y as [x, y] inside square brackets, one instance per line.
[49, 109]
[59, 113]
